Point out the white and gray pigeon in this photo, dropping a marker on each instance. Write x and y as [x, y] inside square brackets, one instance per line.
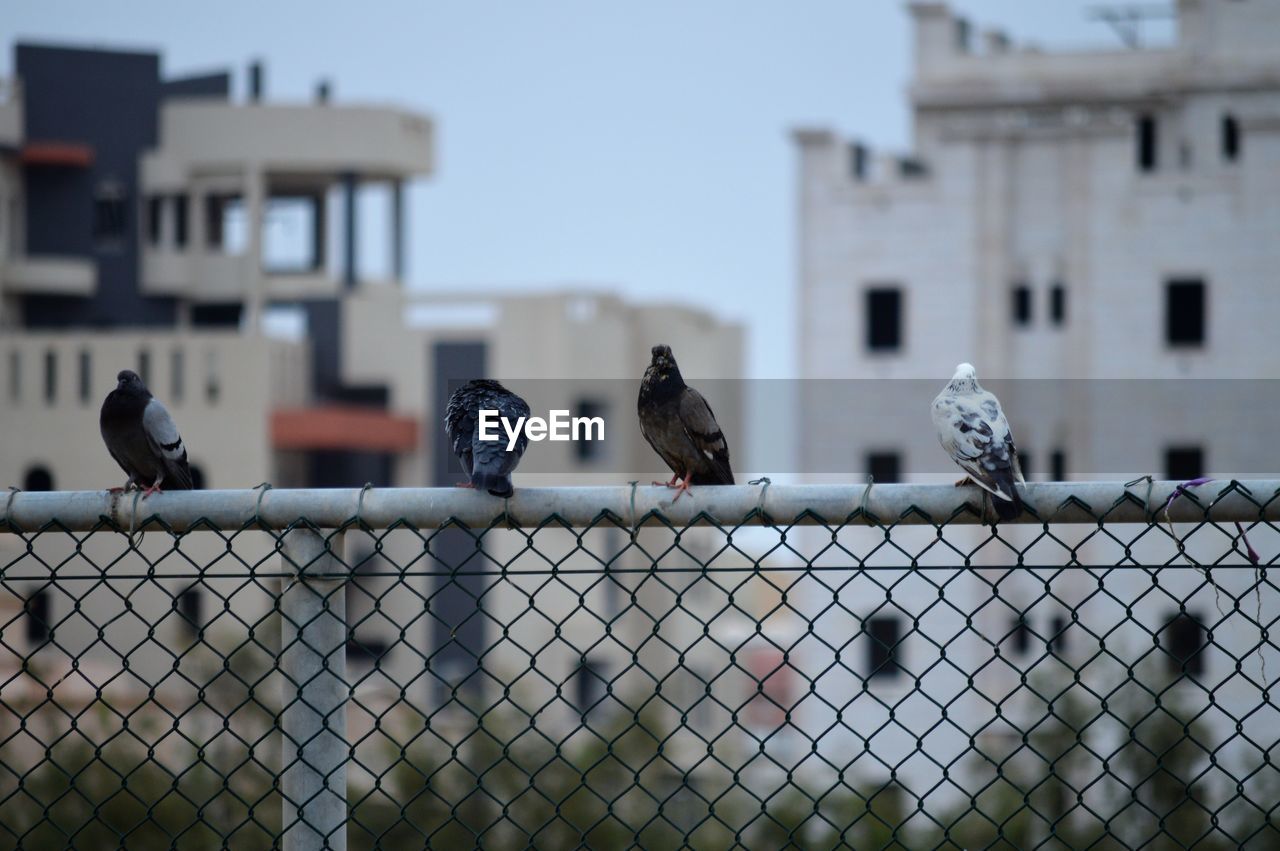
[143, 438]
[972, 428]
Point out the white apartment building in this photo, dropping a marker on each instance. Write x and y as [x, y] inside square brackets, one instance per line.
[1096, 231]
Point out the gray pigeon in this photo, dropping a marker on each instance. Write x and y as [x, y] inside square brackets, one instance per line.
[975, 433]
[487, 463]
[681, 427]
[142, 437]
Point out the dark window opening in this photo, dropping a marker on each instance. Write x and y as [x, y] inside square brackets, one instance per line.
[1058, 304]
[86, 376]
[15, 375]
[1146, 133]
[1057, 466]
[884, 319]
[884, 467]
[912, 168]
[37, 478]
[155, 204]
[1058, 633]
[858, 161]
[176, 383]
[1182, 463]
[216, 315]
[588, 685]
[50, 377]
[1020, 635]
[588, 444]
[181, 203]
[110, 214]
[190, 607]
[883, 649]
[1230, 138]
[365, 650]
[1021, 304]
[37, 618]
[1184, 311]
[1182, 639]
[144, 367]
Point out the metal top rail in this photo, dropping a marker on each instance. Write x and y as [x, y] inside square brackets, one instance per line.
[761, 504]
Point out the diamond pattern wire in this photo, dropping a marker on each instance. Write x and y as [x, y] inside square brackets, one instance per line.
[854, 684]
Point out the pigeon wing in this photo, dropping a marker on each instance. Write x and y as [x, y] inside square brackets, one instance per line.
[705, 436]
[976, 434]
[165, 442]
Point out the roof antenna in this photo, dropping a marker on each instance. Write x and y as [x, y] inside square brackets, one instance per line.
[1127, 20]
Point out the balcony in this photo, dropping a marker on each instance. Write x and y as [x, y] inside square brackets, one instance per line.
[52, 275]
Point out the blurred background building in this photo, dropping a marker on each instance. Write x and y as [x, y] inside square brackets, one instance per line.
[1096, 231]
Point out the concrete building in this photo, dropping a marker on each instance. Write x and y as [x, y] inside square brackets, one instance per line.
[140, 228]
[1104, 214]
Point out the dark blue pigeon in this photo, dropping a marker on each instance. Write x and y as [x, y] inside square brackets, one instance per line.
[487, 463]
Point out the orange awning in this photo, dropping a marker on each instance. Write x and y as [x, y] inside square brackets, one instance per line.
[343, 428]
[71, 154]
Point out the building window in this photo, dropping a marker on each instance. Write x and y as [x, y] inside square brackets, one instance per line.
[587, 450]
[1182, 639]
[155, 214]
[109, 212]
[884, 319]
[1147, 142]
[883, 649]
[588, 686]
[50, 377]
[1020, 634]
[37, 478]
[86, 376]
[144, 366]
[1183, 463]
[884, 467]
[1058, 304]
[858, 161]
[38, 616]
[190, 608]
[1021, 304]
[1058, 634]
[1184, 312]
[15, 375]
[180, 207]
[1057, 466]
[212, 386]
[1230, 138]
[176, 385]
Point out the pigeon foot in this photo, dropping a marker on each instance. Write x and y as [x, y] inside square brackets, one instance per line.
[465, 485]
[155, 488]
[681, 489]
[967, 480]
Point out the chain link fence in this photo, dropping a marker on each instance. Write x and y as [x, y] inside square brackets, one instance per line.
[756, 666]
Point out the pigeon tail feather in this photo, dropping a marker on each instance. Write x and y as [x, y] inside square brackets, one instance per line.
[494, 481]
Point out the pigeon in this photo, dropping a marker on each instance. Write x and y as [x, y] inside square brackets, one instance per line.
[681, 427]
[142, 437]
[975, 433]
[487, 463]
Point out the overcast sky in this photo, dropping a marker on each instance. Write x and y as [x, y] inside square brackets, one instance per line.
[641, 147]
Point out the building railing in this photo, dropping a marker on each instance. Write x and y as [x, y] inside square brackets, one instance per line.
[759, 665]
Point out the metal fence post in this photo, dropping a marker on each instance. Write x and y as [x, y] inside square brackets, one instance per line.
[313, 659]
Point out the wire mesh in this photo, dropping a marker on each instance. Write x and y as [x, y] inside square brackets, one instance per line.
[858, 681]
